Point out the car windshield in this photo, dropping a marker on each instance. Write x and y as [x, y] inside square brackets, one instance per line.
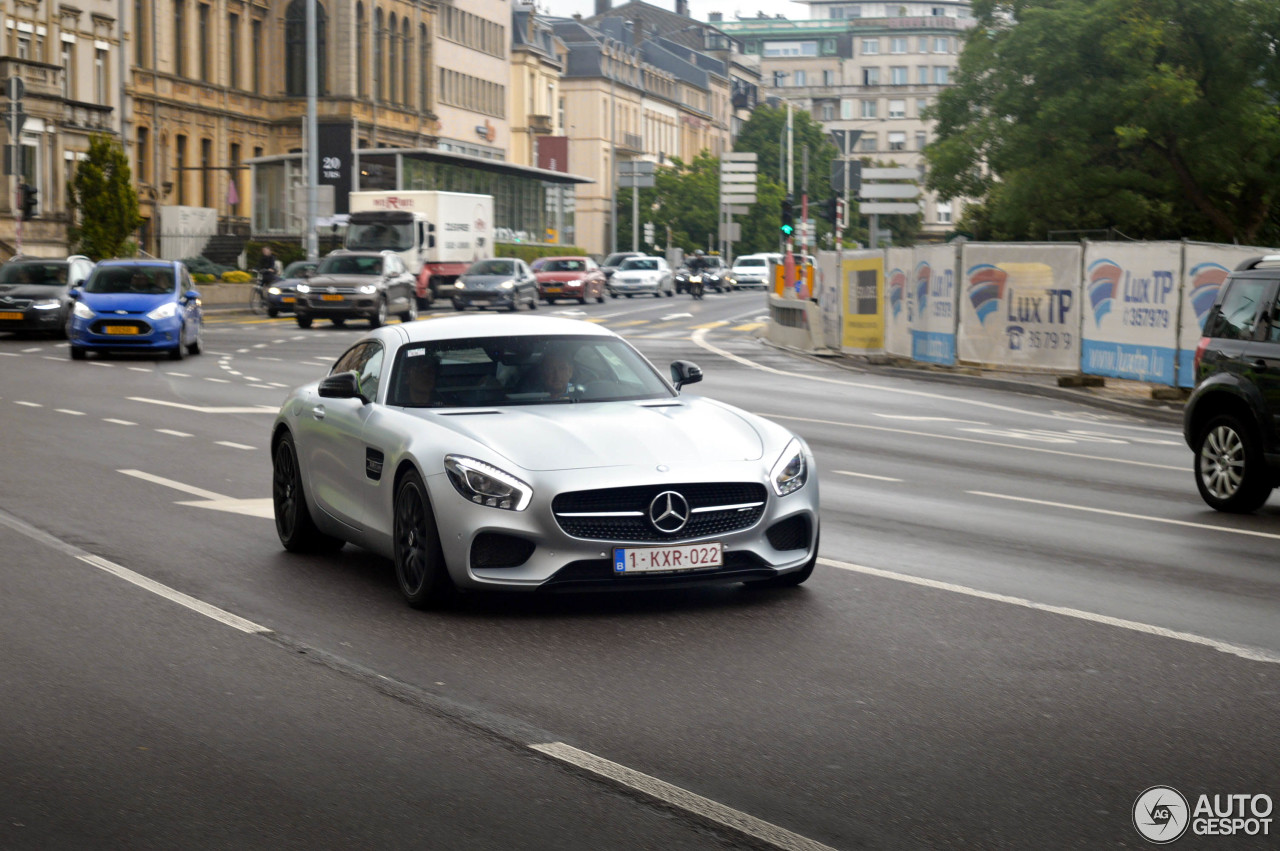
[297, 267]
[644, 264]
[147, 280]
[566, 265]
[751, 261]
[522, 370]
[378, 236]
[350, 265]
[492, 267]
[49, 274]
[615, 259]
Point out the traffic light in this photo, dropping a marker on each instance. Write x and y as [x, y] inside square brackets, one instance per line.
[28, 203]
[828, 210]
[788, 221]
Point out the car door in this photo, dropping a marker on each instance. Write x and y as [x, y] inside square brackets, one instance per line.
[1262, 355]
[331, 438]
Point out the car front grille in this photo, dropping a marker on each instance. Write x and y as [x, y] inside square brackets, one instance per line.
[15, 304]
[100, 326]
[622, 514]
[599, 575]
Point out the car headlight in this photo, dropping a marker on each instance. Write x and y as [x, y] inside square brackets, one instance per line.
[304, 288]
[368, 289]
[790, 472]
[460, 285]
[45, 304]
[695, 279]
[485, 484]
[273, 290]
[573, 283]
[506, 285]
[164, 311]
[82, 310]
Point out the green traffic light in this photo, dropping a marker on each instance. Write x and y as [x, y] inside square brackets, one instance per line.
[787, 230]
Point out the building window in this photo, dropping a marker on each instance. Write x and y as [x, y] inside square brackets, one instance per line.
[790, 48]
[922, 75]
[828, 112]
[180, 174]
[424, 65]
[141, 157]
[102, 76]
[870, 76]
[206, 172]
[139, 31]
[942, 45]
[922, 140]
[921, 106]
[869, 108]
[924, 44]
[828, 78]
[867, 142]
[798, 78]
[257, 57]
[897, 109]
[295, 49]
[206, 33]
[898, 75]
[362, 52]
[779, 79]
[379, 50]
[846, 109]
[393, 61]
[870, 46]
[234, 180]
[68, 70]
[944, 212]
[897, 141]
[940, 75]
[898, 44]
[233, 50]
[180, 37]
[406, 70]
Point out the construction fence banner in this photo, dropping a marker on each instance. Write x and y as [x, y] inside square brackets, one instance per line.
[931, 304]
[897, 319]
[1020, 305]
[862, 283]
[1204, 267]
[1130, 324]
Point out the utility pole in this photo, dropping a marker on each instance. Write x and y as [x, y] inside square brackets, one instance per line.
[313, 137]
[789, 260]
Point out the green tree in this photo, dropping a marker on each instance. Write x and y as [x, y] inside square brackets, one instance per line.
[1155, 117]
[102, 201]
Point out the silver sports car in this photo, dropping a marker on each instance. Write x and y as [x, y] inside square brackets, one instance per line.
[536, 453]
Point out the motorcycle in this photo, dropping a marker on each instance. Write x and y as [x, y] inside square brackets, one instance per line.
[695, 286]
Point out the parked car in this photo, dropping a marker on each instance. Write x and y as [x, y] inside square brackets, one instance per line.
[1232, 419]
[357, 285]
[642, 275]
[501, 282]
[282, 295]
[611, 263]
[136, 306]
[660, 489]
[752, 270]
[569, 277]
[710, 271]
[35, 292]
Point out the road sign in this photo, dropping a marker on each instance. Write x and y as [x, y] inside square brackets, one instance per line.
[14, 88]
[635, 167]
[889, 190]
[648, 233]
[855, 175]
[740, 157]
[845, 140]
[899, 173]
[881, 207]
[738, 209]
[736, 199]
[730, 232]
[14, 119]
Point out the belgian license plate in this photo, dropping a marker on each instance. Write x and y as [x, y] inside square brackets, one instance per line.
[664, 559]
[554, 289]
[121, 329]
[480, 302]
[13, 316]
[288, 299]
[327, 297]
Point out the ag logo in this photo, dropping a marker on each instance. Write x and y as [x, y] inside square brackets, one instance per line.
[1161, 814]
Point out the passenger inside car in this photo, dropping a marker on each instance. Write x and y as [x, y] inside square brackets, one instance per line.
[421, 379]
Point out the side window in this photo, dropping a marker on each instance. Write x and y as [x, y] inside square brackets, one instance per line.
[1273, 319]
[349, 360]
[370, 370]
[1237, 313]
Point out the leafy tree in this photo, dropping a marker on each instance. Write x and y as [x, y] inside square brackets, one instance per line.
[1155, 117]
[102, 201]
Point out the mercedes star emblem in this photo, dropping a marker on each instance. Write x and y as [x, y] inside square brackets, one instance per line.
[668, 512]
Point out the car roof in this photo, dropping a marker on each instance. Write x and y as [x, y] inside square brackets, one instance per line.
[491, 325]
[134, 261]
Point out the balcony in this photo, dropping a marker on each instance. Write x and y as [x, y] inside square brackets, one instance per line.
[540, 124]
[632, 142]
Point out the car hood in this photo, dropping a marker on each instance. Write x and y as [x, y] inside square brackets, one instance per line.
[677, 432]
[560, 277]
[640, 273]
[322, 281]
[32, 290]
[125, 302]
[485, 281]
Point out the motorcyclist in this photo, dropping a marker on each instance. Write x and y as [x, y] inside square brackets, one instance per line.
[697, 264]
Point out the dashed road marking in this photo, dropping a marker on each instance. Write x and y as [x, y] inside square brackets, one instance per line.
[174, 433]
[866, 476]
[233, 445]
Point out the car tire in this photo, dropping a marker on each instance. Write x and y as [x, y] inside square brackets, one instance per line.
[179, 351]
[303, 321]
[77, 353]
[600, 299]
[612, 294]
[297, 531]
[1230, 469]
[420, 568]
[196, 345]
[379, 317]
[273, 312]
[338, 322]
[411, 314]
[628, 295]
[457, 305]
[533, 303]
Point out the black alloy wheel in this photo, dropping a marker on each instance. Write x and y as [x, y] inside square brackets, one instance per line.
[303, 321]
[297, 531]
[419, 560]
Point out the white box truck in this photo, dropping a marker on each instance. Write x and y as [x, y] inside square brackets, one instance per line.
[437, 234]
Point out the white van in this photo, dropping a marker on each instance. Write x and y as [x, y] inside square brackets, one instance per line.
[752, 270]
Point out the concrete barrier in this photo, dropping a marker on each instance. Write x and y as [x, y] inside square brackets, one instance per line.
[795, 323]
[224, 296]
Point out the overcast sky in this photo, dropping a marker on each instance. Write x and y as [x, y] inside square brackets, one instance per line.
[697, 8]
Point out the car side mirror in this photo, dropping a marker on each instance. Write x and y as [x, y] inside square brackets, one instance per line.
[75, 291]
[191, 295]
[684, 372]
[342, 385]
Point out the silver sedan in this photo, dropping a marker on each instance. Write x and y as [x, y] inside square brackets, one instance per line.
[537, 453]
[640, 275]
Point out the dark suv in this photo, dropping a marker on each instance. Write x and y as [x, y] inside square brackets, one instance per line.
[1232, 420]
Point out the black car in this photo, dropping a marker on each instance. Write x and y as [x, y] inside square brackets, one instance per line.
[357, 285]
[1232, 420]
[34, 292]
[282, 295]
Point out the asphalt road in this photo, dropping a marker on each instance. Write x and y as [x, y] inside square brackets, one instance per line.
[1023, 617]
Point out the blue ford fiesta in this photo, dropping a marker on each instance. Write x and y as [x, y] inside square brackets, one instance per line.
[136, 305]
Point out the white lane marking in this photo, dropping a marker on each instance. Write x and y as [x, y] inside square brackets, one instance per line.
[101, 364]
[1254, 654]
[14, 355]
[233, 372]
[699, 338]
[275, 343]
[671, 316]
[276, 360]
[27, 404]
[233, 445]
[261, 507]
[267, 386]
[1017, 446]
[210, 611]
[261, 345]
[29, 351]
[909, 418]
[251, 378]
[683, 799]
[178, 374]
[69, 411]
[117, 422]
[218, 380]
[866, 476]
[47, 357]
[258, 409]
[1129, 516]
[139, 369]
[172, 432]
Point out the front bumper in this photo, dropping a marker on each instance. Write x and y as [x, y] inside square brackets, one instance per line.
[109, 332]
[483, 298]
[32, 319]
[543, 556]
[351, 306]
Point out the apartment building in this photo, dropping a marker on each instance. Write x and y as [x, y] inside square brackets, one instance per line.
[869, 68]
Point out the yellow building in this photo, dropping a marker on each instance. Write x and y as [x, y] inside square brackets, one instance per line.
[537, 61]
